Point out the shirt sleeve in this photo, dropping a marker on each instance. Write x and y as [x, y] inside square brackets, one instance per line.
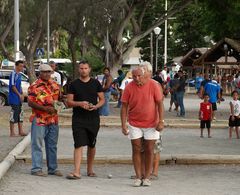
[12, 79]
[158, 95]
[32, 93]
[71, 89]
[58, 76]
[125, 95]
[99, 86]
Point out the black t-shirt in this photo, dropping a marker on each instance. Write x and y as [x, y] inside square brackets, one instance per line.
[158, 79]
[182, 84]
[85, 92]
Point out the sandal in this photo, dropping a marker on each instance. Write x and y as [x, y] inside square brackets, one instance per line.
[91, 175]
[72, 176]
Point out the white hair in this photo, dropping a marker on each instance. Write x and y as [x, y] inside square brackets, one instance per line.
[147, 66]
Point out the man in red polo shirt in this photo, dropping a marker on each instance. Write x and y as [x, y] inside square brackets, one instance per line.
[142, 107]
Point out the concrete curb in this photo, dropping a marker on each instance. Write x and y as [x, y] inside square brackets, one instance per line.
[179, 159]
[11, 157]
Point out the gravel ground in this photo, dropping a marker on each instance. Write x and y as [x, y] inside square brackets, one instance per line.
[181, 180]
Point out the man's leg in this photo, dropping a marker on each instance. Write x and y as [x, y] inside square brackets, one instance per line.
[77, 161]
[12, 133]
[90, 159]
[20, 122]
[51, 140]
[148, 149]
[182, 113]
[11, 122]
[156, 160]
[136, 156]
[37, 136]
[236, 129]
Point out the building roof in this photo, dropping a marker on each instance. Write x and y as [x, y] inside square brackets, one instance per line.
[192, 55]
[225, 47]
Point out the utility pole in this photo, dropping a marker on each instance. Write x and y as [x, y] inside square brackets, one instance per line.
[16, 30]
[151, 48]
[48, 33]
[165, 35]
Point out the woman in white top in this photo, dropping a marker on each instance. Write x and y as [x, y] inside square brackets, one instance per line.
[234, 119]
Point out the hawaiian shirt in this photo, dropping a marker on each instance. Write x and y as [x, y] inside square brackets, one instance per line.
[44, 94]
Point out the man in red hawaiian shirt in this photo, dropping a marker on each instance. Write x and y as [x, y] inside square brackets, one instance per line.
[42, 95]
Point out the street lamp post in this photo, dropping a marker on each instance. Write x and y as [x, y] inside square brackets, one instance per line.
[157, 31]
[16, 30]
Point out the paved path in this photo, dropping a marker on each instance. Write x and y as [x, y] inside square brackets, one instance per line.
[111, 142]
[181, 180]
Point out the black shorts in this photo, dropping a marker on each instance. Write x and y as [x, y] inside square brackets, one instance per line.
[206, 124]
[85, 133]
[16, 114]
[234, 123]
[214, 106]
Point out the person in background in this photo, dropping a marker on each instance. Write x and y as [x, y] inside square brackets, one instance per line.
[126, 81]
[42, 95]
[106, 84]
[118, 83]
[205, 115]
[173, 86]
[198, 81]
[15, 99]
[203, 83]
[230, 79]
[180, 90]
[224, 83]
[56, 76]
[234, 119]
[213, 90]
[164, 74]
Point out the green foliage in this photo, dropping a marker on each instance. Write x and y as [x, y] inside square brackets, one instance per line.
[95, 62]
[222, 18]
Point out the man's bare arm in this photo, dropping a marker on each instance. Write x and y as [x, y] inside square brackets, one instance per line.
[124, 110]
[72, 103]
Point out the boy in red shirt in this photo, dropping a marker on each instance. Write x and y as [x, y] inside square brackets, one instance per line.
[205, 114]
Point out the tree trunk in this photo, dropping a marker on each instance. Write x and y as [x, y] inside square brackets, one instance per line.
[30, 69]
[71, 45]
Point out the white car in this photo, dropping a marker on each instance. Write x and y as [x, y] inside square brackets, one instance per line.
[5, 74]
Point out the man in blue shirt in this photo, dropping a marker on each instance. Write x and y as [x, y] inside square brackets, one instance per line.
[15, 99]
[213, 90]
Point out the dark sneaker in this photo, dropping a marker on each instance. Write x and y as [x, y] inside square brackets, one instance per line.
[39, 173]
[56, 173]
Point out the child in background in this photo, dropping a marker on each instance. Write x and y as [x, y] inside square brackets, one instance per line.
[234, 119]
[205, 115]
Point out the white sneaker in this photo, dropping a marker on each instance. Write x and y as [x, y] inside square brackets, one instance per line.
[137, 182]
[146, 182]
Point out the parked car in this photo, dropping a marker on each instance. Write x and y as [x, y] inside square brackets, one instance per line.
[5, 75]
[4, 91]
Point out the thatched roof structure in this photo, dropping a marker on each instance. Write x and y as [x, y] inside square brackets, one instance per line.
[224, 48]
[191, 56]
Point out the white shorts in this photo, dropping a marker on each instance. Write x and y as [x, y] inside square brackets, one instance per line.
[146, 133]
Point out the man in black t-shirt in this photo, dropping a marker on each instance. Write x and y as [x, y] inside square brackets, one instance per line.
[86, 96]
